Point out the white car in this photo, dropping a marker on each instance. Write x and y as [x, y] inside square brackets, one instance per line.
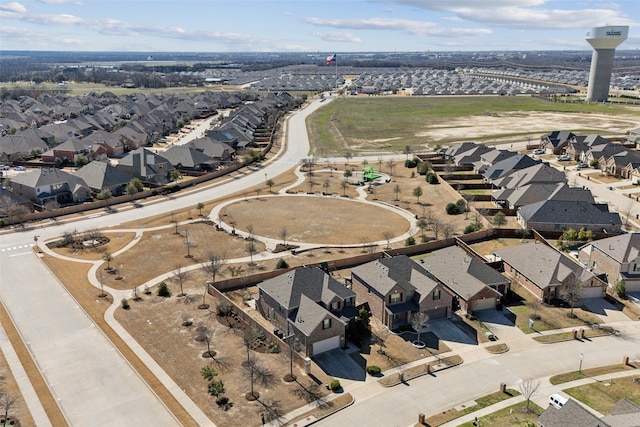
[19, 168]
[4, 168]
[563, 158]
[538, 151]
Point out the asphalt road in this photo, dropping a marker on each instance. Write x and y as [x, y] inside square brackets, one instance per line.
[93, 383]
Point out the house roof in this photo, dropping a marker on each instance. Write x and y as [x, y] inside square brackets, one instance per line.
[568, 212]
[557, 137]
[386, 273]
[101, 175]
[287, 288]
[533, 193]
[187, 157]
[624, 414]
[571, 414]
[539, 173]
[506, 166]
[543, 265]
[622, 248]
[463, 274]
[309, 315]
[40, 177]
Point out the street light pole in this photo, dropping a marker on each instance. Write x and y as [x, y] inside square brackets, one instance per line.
[581, 359]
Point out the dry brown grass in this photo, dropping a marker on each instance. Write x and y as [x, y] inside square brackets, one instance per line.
[157, 325]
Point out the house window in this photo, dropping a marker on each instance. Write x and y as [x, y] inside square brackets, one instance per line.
[281, 309]
[395, 297]
[326, 324]
[517, 274]
[335, 305]
[436, 294]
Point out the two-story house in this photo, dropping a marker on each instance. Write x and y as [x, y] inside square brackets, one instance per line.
[44, 185]
[310, 306]
[396, 288]
[617, 257]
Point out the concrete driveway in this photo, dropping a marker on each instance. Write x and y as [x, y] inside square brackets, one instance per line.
[338, 364]
[455, 338]
[606, 311]
[497, 323]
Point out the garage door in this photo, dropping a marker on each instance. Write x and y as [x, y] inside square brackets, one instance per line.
[484, 304]
[326, 345]
[591, 292]
[437, 313]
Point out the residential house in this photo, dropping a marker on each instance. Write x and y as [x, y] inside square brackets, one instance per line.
[101, 176]
[17, 147]
[513, 198]
[571, 414]
[112, 145]
[620, 164]
[580, 146]
[508, 166]
[490, 158]
[185, 158]
[216, 150]
[555, 142]
[545, 272]
[624, 414]
[540, 173]
[310, 305]
[602, 152]
[11, 203]
[471, 156]
[396, 288]
[617, 257]
[73, 148]
[51, 185]
[132, 137]
[476, 286]
[560, 215]
[151, 168]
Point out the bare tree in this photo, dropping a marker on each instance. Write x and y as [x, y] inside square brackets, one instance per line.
[256, 373]
[326, 184]
[417, 192]
[387, 234]
[208, 334]
[571, 293]
[419, 321]
[188, 243]
[390, 165]
[7, 403]
[348, 156]
[381, 334]
[200, 206]
[270, 183]
[528, 389]
[283, 234]
[422, 225]
[251, 249]
[344, 184]
[396, 191]
[447, 231]
[214, 264]
[181, 275]
[312, 183]
[436, 227]
[107, 257]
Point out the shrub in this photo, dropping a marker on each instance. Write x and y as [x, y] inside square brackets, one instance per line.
[224, 308]
[410, 163]
[621, 288]
[423, 168]
[373, 370]
[208, 373]
[216, 388]
[222, 401]
[451, 209]
[472, 227]
[432, 178]
[163, 290]
[424, 238]
[273, 348]
[335, 385]
[281, 264]
[125, 303]
[410, 241]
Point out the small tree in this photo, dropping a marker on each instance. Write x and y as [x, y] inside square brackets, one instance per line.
[621, 288]
[281, 264]
[7, 403]
[499, 219]
[163, 290]
[410, 241]
[419, 321]
[200, 206]
[283, 234]
[208, 372]
[251, 249]
[181, 277]
[107, 257]
[214, 263]
[422, 225]
[571, 294]
[396, 191]
[417, 192]
[270, 183]
[387, 234]
[344, 184]
[528, 389]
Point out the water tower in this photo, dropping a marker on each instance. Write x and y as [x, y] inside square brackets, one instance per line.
[604, 41]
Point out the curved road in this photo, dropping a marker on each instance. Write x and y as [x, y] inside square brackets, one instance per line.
[93, 383]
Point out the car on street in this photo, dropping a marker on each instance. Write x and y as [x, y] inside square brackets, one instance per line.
[4, 168]
[563, 158]
[19, 168]
[538, 151]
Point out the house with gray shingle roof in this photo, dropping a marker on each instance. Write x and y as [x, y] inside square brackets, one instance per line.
[545, 271]
[151, 168]
[556, 142]
[536, 174]
[508, 166]
[561, 215]
[187, 158]
[44, 185]
[571, 414]
[395, 288]
[617, 257]
[101, 176]
[476, 286]
[310, 305]
[11, 202]
[513, 198]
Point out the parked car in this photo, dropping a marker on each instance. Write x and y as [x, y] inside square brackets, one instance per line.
[582, 166]
[538, 151]
[563, 158]
[4, 168]
[19, 168]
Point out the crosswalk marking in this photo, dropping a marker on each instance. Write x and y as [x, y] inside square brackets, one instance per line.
[17, 247]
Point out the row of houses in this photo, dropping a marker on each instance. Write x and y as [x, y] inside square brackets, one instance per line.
[538, 192]
[311, 305]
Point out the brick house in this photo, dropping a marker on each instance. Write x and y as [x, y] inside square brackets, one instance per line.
[308, 304]
[616, 257]
[545, 271]
[395, 288]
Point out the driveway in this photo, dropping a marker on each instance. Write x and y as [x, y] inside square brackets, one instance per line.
[606, 311]
[338, 364]
[502, 328]
[452, 335]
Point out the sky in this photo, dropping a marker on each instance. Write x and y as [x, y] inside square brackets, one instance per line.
[310, 25]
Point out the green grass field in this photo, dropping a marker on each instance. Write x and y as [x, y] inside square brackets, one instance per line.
[390, 124]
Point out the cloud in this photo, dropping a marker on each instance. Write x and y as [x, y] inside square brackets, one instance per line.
[60, 2]
[13, 7]
[339, 37]
[528, 14]
[419, 28]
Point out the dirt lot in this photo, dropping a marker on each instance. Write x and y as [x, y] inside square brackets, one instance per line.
[157, 325]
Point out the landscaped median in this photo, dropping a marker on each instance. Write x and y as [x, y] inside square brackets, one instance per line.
[324, 409]
[576, 334]
[396, 378]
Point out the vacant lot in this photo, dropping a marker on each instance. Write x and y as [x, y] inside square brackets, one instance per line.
[376, 125]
